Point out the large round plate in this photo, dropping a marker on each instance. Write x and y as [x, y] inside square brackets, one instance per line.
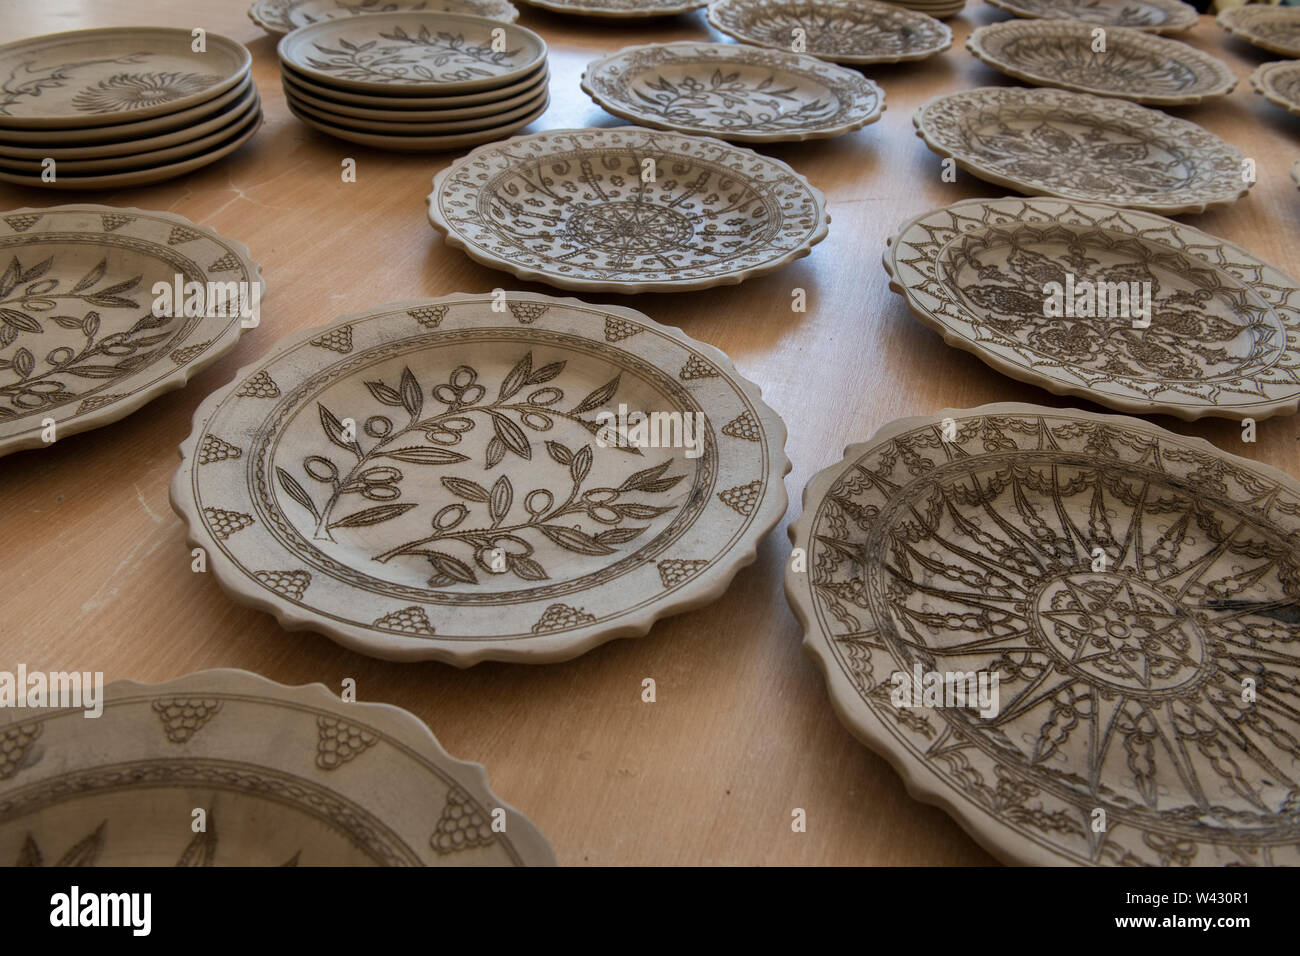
[1153, 16]
[293, 88]
[286, 776]
[1134, 66]
[529, 108]
[1079, 146]
[402, 102]
[619, 9]
[1272, 28]
[73, 344]
[431, 479]
[1223, 326]
[844, 31]
[627, 210]
[425, 53]
[1123, 582]
[736, 92]
[1279, 83]
[306, 12]
[422, 144]
[112, 75]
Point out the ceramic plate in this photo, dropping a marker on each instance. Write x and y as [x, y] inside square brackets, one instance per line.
[1120, 580]
[571, 208]
[529, 108]
[1154, 16]
[439, 479]
[1272, 28]
[347, 110]
[1163, 319]
[619, 8]
[143, 176]
[426, 53]
[315, 11]
[78, 342]
[1279, 83]
[845, 31]
[114, 75]
[1078, 146]
[273, 15]
[422, 144]
[402, 102]
[739, 93]
[286, 776]
[1135, 65]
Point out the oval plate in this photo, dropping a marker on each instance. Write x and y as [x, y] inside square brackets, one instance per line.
[431, 480]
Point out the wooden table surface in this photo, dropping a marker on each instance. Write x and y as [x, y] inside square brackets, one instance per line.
[95, 573]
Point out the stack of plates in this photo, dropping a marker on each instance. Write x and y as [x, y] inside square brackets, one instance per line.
[415, 81]
[103, 109]
[939, 9]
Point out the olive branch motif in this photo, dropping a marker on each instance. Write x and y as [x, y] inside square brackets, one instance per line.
[384, 64]
[684, 100]
[496, 544]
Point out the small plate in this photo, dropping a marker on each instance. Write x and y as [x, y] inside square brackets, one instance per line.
[422, 144]
[843, 31]
[1272, 28]
[307, 12]
[1079, 146]
[145, 176]
[619, 9]
[421, 53]
[1135, 65]
[627, 210]
[739, 93]
[1279, 83]
[401, 102]
[1220, 337]
[78, 342]
[529, 108]
[286, 776]
[113, 75]
[1152, 16]
[273, 15]
[344, 111]
[431, 480]
[1120, 580]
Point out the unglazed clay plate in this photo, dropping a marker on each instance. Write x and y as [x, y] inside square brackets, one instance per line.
[78, 341]
[315, 11]
[1161, 318]
[398, 101]
[1279, 83]
[1121, 581]
[273, 15]
[1134, 66]
[1272, 28]
[1154, 16]
[293, 88]
[445, 480]
[627, 210]
[529, 108]
[285, 776]
[112, 75]
[844, 31]
[739, 93]
[425, 53]
[1079, 146]
[485, 132]
[619, 9]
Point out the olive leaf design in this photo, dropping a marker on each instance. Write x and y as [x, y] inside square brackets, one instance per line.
[494, 542]
[730, 102]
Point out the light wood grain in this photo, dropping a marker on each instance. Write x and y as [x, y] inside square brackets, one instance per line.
[95, 574]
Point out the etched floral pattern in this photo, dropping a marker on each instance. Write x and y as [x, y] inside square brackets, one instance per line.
[1156, 16]
[301, 13]
[1279, 83]
[1122, 581]
[129, 91]
[1269, 27]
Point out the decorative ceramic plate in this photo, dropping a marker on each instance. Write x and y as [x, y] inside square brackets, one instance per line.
[1272, 28]
[413, 52]
[844, 31]
[1279, 83]
[401, 143]
[404, 127]
[1147, 315]
[1135, 65]
[286, 776]
[1079, 146]
[735, 92]
[273, 15]
[442, 480]
[145, 175]
[627, 210]
[315, 11]
[398, 101]
[1135, 592]
[619, 9]
[78, 340]
[113, 75]
[1154, 16]
[303, 96]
